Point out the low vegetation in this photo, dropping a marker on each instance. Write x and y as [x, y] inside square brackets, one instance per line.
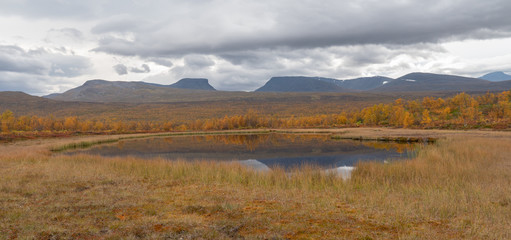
[459, 112]
[455, 189]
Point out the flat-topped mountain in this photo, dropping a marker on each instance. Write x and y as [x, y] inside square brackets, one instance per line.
[118, 91]
[193, 83]
[301, 84]
[496, 77]
[414, 82]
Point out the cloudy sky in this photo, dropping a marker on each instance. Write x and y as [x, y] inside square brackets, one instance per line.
[49, 46]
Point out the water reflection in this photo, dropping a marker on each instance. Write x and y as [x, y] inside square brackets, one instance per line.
[261, 151]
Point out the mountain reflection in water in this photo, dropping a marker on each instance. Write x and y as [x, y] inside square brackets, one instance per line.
[271, 150]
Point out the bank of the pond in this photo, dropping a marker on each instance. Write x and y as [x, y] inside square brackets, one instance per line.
[370, 134]
[117, 138]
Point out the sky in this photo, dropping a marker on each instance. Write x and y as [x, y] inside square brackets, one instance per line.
[49, 46]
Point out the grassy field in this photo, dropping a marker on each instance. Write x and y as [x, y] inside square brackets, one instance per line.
[458, 188]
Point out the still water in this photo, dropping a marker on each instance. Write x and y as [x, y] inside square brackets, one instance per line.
[260, 151]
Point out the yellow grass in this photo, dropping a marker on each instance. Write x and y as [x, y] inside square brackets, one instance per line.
[458, 188]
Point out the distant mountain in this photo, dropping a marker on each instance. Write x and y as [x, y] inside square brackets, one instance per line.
[496, 77]
[17, 97]
[119, 91]
[193, 83]
[300, 84]
[23, 104]
[438, 82]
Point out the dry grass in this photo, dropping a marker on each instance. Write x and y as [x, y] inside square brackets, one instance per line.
[459, 188]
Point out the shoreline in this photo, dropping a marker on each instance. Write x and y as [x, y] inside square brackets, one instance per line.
[361, 134]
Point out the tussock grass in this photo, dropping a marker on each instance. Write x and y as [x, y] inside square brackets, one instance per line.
[458, 188]
[81, 145]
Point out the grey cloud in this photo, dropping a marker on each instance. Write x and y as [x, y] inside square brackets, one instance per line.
[144, 69]
[254, 59]
[44, 9]
[63, 34]
[120, 69]
[41, 62]
[15, 59]
[170, 28]
[79, 10]
[119, 24]
[198, 61]
[71, 32]
[31, 84]
[10, 81]
[69, 66]
[161, 61]
[307, 24]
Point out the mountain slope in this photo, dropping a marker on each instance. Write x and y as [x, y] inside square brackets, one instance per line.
[361, 84]
[496, 77]
[414, 82]
[300, 84]
[365, 83]
[23, 104]
[193, 83]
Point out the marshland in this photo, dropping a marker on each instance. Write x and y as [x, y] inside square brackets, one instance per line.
[458, 187]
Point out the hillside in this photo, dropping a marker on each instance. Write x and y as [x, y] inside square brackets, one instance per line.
[10, 97]
[300, 84]
[23, 104]
[415, 82]
[193, 83]
[496, 77]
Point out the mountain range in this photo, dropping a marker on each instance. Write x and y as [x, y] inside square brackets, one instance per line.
[413, 82]
[188, 89]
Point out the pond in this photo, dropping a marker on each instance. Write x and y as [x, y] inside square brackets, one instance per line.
[260, 151]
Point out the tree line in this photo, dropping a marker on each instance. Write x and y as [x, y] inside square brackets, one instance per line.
[460, 112]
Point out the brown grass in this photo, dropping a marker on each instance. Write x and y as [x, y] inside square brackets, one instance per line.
[459, 188]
